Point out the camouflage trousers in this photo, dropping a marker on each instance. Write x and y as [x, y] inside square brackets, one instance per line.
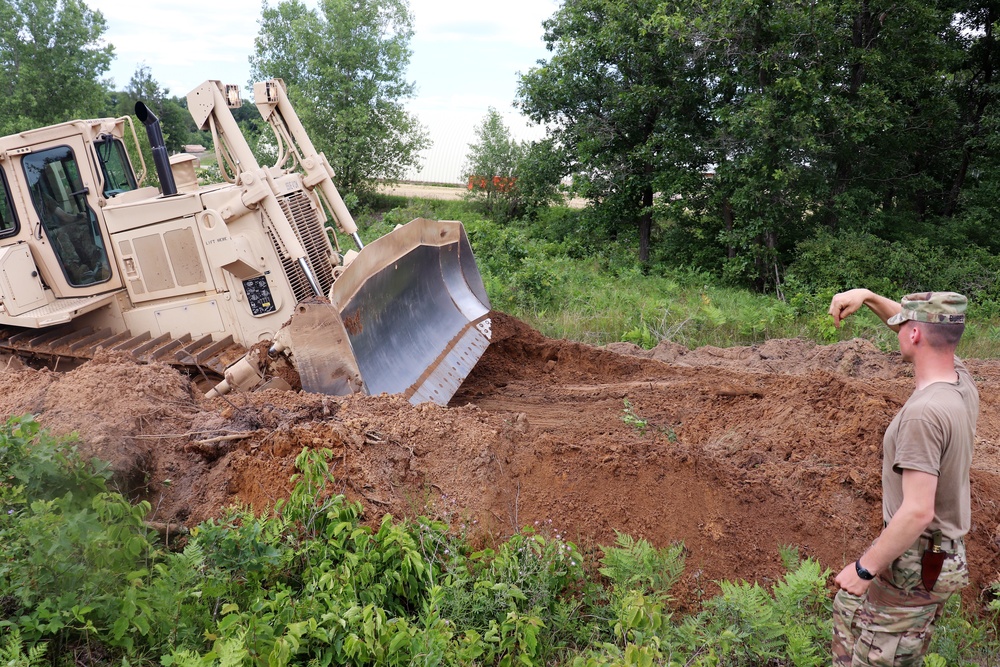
[891, 625]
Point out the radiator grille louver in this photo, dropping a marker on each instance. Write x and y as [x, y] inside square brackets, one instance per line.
[309, 230]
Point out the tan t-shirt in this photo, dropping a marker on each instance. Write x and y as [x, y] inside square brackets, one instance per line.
[934, 433]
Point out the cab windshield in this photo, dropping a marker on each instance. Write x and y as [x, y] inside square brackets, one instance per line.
[118, 176]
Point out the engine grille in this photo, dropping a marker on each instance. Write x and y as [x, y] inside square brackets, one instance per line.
[309, 230]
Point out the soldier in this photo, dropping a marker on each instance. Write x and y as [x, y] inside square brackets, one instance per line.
[891, 596]
[73, 240]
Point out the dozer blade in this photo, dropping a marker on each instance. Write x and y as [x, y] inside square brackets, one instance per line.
[323, 355]
[416, 312]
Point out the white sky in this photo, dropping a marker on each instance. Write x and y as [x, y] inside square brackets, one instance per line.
[466, 56]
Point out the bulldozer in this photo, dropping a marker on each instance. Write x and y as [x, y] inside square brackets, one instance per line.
[242, 282]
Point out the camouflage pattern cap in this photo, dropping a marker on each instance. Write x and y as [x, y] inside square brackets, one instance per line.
[933, 307]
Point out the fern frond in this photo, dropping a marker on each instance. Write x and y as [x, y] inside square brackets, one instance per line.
[12, 652]
[232, 651]
[637, 565]
[803, 591]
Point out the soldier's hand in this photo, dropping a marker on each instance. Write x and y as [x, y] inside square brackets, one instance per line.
[847, 303]
[849, 580]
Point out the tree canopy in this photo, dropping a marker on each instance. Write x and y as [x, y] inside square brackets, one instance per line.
[345, 63]
[177, 125]
[734, 130]
[52, 55]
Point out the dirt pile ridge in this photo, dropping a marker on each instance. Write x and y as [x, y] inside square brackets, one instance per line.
[733, 451]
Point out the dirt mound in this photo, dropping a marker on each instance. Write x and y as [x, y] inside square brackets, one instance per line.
[735, 452]
[854, 358]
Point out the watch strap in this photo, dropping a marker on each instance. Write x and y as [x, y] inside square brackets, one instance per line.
[862, 572]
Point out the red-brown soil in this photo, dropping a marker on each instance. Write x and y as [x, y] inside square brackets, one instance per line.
[744, 449]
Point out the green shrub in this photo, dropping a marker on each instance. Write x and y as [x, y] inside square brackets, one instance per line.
[893, 268]
[636, 566]
[523, 598]
[13, 654]
[75, 556]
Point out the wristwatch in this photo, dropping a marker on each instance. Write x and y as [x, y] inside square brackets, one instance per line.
[862, 572]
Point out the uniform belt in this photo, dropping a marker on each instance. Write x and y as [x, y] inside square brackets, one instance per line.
[924, 543]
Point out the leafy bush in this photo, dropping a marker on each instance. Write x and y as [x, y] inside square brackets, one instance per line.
[12, 653]
[510, 178]
[74, 554]
[859, 259]
[519, 274]
[522, 598]
[745, 625]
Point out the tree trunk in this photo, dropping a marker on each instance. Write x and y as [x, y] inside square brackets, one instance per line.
[864, 31]
[727, 219]
[645, 223]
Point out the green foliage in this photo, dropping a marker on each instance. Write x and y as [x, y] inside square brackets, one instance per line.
[745, 625]
[310, 583]
[37, 467]
[853, 259]
[491, 167]
[827, 115]
[635, 565]
[963, 638]
[53, 56]
[75, 555]
[632, 419]
[12, 653]
[510, 178]
[556, 274]
[791, 625]
[521, 599]
[345, 65]
[621, 102]
[519, 274]
[934, 660]
[641, 336]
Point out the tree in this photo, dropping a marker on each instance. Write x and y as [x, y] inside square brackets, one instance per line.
[52, 57]
[345, 63]
[622, 103]
[175, 121]
[510, 177]
[852, 116]
[762, 123]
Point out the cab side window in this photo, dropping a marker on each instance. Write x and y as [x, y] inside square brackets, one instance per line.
[8, 221]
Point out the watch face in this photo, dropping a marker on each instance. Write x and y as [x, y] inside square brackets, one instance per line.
[862, 572]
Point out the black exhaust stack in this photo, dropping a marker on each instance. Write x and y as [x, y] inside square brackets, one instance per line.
[160, 158]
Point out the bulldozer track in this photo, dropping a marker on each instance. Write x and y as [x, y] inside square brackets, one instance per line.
[75, 345]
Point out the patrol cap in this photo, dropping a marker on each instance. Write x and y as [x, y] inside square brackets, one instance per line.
[932, 307]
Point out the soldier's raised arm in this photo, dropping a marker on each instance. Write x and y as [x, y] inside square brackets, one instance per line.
[847, 303]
